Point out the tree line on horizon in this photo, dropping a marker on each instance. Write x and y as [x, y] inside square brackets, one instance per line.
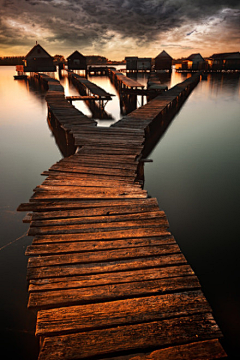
[11, 60]
[58, 59]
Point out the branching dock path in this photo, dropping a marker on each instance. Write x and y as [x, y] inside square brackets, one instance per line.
[106, 277]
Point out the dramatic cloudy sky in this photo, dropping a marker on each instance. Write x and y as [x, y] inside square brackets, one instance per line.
[119, 28]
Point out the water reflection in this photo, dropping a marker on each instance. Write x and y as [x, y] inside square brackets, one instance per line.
[195, 176]
[26, 149]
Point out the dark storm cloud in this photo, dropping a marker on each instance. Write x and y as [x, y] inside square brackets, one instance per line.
[95, 23]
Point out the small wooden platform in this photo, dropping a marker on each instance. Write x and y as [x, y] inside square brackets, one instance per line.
[122, 81]
[75, 98]
[92, 88]
[106, 277]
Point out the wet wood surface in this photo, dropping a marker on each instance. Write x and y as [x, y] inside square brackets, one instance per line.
[106, 277]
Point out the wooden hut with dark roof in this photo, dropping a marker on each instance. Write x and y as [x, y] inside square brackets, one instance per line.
[38, 59]
[225, 61]
[196, 62]
[134, 63]
[77, 61]
[163, 61]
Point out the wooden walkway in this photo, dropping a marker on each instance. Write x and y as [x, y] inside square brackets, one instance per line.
[105, 274]
[146, 116]
[87, 88]
[123, 82]
[90, 87]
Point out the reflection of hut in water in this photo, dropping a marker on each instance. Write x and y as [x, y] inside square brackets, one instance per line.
[163, 62]
[37, 60]
[77, 61]
[225, 61]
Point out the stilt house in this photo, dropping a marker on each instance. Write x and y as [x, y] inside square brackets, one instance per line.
[225, 61]
[77, 61]
[38, 59]
[196, 62]
[134, 63]
[163, 61]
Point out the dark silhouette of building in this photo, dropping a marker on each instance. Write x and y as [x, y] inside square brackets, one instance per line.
[38, 59]
[134, 63]
[163, 61]
[196, 62]
[77, 61]
[225, 61]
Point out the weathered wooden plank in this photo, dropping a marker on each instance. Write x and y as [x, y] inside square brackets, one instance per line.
[61, 180]
[92, 190]
[109, 278]
[127, 311]
[90, 175]
[201, 350]
[98, 256]
[107, 210]
[108, 150]
[82, 246]
[101, 219]
[102, 235]
[47, 195]
[27, 218]
[104, 129]
[63, 167]
[80, 204]
[130, 337]
[78, 228]
[103, 163]
[45, 272]
[119, 180]
[66, 297]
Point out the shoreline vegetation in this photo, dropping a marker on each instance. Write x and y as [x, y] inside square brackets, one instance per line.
[91, 60]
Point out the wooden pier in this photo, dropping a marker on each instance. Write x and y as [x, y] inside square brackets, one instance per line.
[88, 88]
[123, 82]
[106, 277]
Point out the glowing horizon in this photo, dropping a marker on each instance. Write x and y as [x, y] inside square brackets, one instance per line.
[116, 29]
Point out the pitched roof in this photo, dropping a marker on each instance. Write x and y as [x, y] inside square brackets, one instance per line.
[193, 56]
[76, 53]
[37, 46]
[232, 55]
[164, 55]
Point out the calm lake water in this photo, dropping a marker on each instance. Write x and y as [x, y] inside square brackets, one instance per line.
[195, 176]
